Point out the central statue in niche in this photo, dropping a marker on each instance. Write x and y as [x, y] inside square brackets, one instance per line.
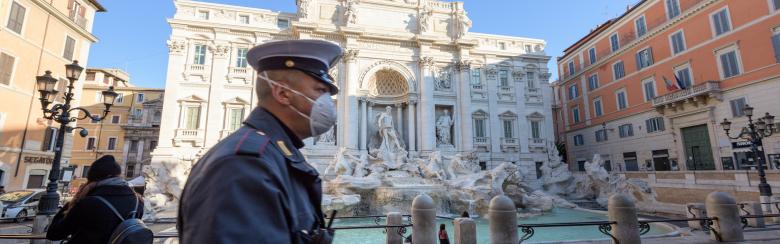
[389, 149]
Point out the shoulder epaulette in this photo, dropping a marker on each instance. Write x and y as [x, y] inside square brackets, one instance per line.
[252, 143]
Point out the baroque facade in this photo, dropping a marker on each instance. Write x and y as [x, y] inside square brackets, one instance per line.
[410, 65]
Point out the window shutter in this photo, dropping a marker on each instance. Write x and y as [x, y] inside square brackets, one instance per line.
[649, 55]
[638, 60]
[648, 125]
[82, 9]
[70, 4]
[776, 45]
[734, 108]
[46, 146]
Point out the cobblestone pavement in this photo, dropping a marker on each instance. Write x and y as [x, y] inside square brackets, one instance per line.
[8, 227]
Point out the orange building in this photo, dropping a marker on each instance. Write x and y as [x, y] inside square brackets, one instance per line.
[647, 90]
[36, 36]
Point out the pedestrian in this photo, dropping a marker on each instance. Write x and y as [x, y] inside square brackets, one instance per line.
[443, 238]
[255, 186]
[86, 218]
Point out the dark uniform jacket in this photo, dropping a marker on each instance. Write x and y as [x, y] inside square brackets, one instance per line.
[252, 187]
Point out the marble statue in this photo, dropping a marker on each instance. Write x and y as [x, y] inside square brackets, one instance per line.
[390, 149]
[425, 18]
[303, 8]
[341, 164]
[443, 80]
[328, 138]
[464, 24]
[350, 12]
[443, 129]
[598, 184]
[556, 177]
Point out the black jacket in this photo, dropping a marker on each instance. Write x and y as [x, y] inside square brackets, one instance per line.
[252, 187]
[90, 220]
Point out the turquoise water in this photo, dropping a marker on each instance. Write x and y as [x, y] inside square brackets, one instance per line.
[541, 234]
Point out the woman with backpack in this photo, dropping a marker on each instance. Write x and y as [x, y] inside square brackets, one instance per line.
[93, 215]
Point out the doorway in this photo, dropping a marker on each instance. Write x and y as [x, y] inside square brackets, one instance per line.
[698, 152]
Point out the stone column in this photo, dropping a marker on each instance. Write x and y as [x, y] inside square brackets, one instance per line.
[363, 124]
[427, 106]
[140, 151]
[411, 128]
[621, 209]
[424, 217]
[125, 150]
[752, 208]
[695, 210]
[728, 224]
[464, 93]
[393, 237]
[399, 120]
[503, 221]
[465, 231]
[350, 59]
[211, 114]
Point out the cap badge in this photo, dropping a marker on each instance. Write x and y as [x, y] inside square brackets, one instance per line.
[289, 63]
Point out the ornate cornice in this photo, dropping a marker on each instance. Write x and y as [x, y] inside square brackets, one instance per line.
[427, 62]
[350, 55]
[463, 65]
[220, 51]
[177, 47]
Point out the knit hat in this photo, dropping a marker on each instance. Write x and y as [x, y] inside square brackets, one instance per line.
[103, 168]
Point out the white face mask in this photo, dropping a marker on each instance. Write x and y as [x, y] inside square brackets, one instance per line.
[323, 112]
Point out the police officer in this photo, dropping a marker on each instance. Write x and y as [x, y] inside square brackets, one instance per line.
[255, 186]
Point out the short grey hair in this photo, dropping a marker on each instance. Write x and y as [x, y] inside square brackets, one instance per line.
[263, 88]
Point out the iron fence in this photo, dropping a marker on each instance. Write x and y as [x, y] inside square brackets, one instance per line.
[706, 224]
[604, 227]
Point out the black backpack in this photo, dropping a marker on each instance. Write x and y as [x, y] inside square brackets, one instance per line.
[131, 230]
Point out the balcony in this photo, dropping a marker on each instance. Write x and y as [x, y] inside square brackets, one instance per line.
[537, 143]
[197, 70]
[78, 19]
[478, 87]
[505, 89]
[239, 71]
[510, 144]
[482, 144]
[478, 92]
[694, 96]
[506, 94]
[195, 137]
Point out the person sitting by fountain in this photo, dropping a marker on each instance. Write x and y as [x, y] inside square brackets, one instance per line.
[443, 238]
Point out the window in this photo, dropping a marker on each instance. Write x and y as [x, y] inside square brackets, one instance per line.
[683, 73]
[49, 139]
[200, 54]
[729, 63]
[90, 76]
[626, 130]
[479, 127]
[139, 98]
[644, 58]
[111, 143]
[672, 8]
[508, 129]
[502, 46]
[573, 93]
[527, 48]
[593, 82]
[241, 57]
[618, 70]
[204, 15]
[614, 41]
[115, 119]
[70, 44]
[579, 140]
[137, 113]
[152, 145]
[575, 112]
[120, 98]
[621, 100]
[133, 146]
[655, 124]
[720, 22]
[476, 77]
[736, 107]
[775, 4]
[641, 26]
[130, 170]
[36, 179]
[592, 55]
[91, 143]
[283, 23]
[16, 17]
[536, 130]
[649, 87]
[106, 80]
[601, 135]
[776, 44]
[531, 79]
[598, 107]
[243, 19]
[678, 42]
[6, 68]
[236, 117]
[503, 77]
[630, 160]
[192, 121]
[571, 68]
[85, 171]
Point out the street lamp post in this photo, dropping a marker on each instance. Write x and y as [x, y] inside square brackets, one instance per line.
[60, 113]
[757, 131]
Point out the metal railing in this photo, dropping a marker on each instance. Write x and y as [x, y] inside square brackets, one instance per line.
[604, 227]
[706, 224]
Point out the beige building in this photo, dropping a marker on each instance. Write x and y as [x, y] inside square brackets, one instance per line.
[130, 130]
[37, 36]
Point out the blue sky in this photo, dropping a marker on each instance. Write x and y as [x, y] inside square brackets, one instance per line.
[133, 33]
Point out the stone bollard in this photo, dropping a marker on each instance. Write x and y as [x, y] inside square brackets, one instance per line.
[423, 220]
[621, 209]
[728, 224]
[503, 221]
[393, 237]
[752, 208]
[465, 231]
[775, 208]
[695, 210]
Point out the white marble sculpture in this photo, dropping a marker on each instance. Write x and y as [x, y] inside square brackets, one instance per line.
[303, 8]
[390, 150]
[350, 12]
[328, 138]
[425, 18]
[443, 128]
[464, 24]
[443, 80]
[598, 184]
[341, 164]
[556, 177]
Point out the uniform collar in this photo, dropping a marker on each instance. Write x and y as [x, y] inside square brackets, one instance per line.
[282, 137]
